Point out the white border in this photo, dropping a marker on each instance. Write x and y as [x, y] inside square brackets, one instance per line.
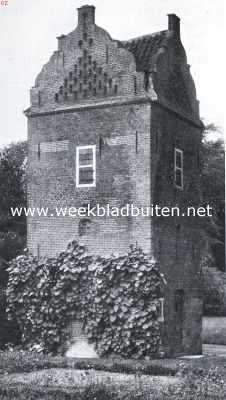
[93, 165]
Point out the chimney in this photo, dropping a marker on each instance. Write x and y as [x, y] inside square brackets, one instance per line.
[174, 24]
[86, 16]
[61, 41]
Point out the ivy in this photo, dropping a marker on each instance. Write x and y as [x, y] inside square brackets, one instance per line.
[116, 298]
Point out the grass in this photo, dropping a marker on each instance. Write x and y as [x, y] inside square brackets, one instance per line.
[203, 386]
[203, 378]
[214, 330]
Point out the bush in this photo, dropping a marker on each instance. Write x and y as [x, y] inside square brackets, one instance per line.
[27, 361]
[116, 298]
[214, 291]
[9, 331]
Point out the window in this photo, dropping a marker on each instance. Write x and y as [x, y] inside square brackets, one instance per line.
[135, 84]
[178, 168]
[85, 166]
[84, 227]
[161, 311]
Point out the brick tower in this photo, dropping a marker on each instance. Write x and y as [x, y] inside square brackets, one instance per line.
[117, 122]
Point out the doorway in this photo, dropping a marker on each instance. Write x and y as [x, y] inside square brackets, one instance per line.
[179, 318]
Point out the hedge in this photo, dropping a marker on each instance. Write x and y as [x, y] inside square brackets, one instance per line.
[214, 292]
[116, 298]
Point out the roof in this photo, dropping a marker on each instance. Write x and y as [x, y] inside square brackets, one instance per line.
[145, 48]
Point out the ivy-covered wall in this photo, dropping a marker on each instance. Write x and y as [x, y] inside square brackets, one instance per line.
[116, 298]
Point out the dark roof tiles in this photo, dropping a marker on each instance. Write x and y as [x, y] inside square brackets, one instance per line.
[145, 48]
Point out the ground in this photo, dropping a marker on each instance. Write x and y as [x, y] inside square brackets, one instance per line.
[29, 376]
[214, 330]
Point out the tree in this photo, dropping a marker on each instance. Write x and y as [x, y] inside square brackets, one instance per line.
[13, 194]
[213, 191]
[12, 229]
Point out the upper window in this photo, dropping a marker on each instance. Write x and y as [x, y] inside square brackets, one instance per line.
[178, 168]
[161, 311]
[85, 166]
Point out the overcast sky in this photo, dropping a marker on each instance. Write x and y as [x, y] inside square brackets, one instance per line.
[28, 31]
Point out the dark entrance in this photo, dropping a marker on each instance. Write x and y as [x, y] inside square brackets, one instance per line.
[179, 319]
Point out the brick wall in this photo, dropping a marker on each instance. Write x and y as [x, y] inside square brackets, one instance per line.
[90, 93]
[177, 240]
[123, 176]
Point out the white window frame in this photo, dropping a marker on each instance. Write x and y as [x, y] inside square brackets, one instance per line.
[176, 168]
[79, 166]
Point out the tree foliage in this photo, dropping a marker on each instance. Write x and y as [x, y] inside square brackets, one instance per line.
[116, 298]
[13, 194]
[213, 192]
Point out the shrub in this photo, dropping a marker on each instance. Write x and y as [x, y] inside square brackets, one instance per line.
[9, 331]
[117, 298]
[26, 361]
[214, 291]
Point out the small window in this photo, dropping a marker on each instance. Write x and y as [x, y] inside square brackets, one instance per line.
[178, 168]
[161, 311]
[135, 84]
[85, 166]
[84, 227]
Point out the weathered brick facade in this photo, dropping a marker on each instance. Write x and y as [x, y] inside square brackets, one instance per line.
[136, 102]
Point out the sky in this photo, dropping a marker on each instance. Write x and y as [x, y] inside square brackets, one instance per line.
[28, 31]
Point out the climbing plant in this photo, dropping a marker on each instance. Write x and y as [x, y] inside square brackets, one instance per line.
[116, 298]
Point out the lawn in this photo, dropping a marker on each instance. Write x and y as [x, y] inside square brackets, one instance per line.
[31, 376]
[214, 330]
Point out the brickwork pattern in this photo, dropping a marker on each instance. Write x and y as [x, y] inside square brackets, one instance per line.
[91, 93]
